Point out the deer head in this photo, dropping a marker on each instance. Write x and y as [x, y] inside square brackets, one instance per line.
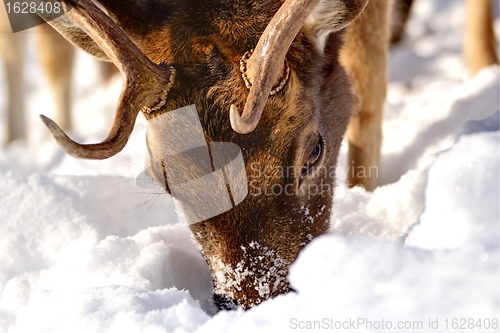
[275, 60]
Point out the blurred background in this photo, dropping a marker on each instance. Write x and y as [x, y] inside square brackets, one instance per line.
[41, 73]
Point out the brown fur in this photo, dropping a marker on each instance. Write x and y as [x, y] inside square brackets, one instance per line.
[364, 55]
[12, 49]
[56, 57]
[400, 15]
[479, 38]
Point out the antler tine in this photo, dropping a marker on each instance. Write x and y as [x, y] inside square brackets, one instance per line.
[267, 61]
[145, 84]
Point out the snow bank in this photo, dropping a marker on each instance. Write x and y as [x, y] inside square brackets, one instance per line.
[84, 249]
[346, 279]
[56, 255]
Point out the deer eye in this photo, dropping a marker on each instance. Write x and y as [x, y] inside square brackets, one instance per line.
[313, 158]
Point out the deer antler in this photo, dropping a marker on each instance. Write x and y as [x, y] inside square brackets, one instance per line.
[145, 84]
[268, 60]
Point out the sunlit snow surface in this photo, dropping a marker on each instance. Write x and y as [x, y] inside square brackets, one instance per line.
[84, 249]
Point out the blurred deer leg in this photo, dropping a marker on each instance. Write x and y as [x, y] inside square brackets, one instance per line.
[400, 15]
[57, 56]
[12, 51]
[365, 57]
[479, 41]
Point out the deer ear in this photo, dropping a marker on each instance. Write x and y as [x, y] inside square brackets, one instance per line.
[330, 16]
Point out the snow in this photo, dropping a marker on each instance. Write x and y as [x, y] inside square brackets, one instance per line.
[85, 249]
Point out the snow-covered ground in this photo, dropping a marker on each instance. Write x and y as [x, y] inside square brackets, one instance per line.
[84, 249]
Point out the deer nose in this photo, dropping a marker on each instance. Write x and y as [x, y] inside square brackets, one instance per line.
[224, 303]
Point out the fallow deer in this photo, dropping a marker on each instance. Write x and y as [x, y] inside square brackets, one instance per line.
[300, 78]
